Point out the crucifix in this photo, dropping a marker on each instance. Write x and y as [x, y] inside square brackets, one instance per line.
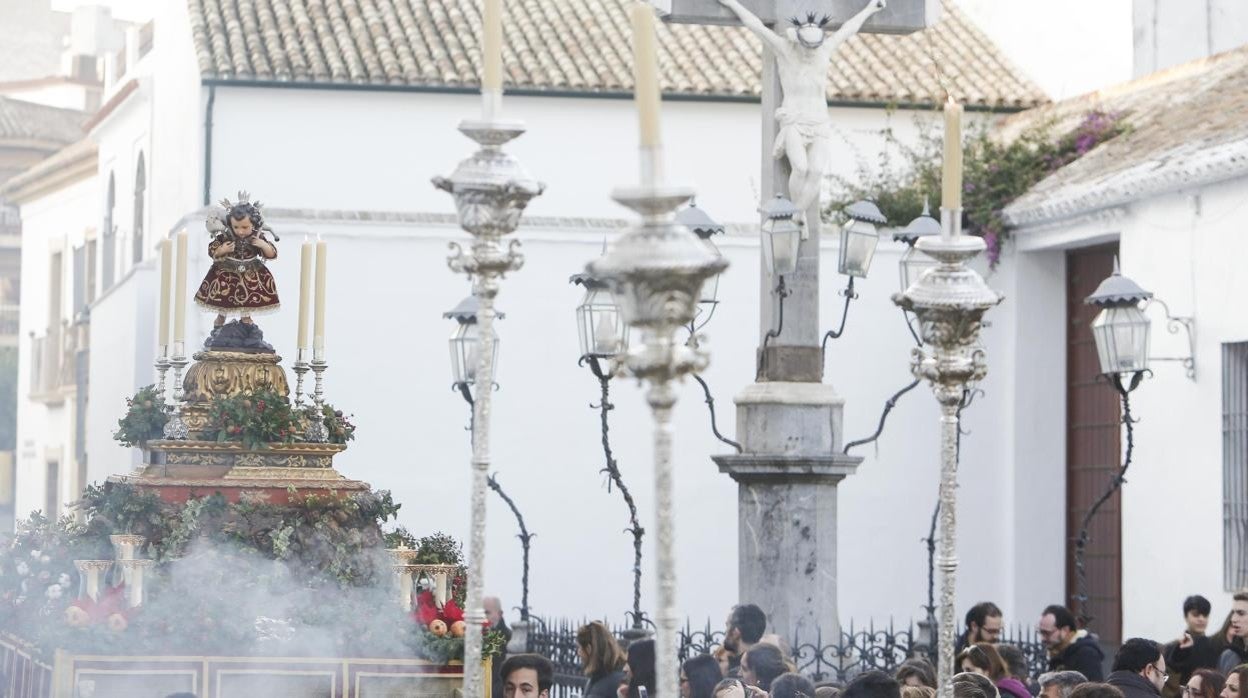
[789, 421]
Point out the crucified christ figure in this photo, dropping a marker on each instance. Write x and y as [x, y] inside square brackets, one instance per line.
[803, 54]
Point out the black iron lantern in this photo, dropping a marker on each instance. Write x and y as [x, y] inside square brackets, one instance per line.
[914, 263]
[1121, 329]
[859, 237]
[466, 340]
[601, 328]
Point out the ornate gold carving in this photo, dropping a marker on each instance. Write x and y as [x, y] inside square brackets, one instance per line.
[198, 459]
[280, 473]
[229, 373]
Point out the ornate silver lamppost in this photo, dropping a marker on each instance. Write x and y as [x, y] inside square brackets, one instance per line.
[949, 301]
[491, 190]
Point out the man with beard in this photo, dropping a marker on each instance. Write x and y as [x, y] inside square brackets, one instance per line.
[745, 627]
[983, 624]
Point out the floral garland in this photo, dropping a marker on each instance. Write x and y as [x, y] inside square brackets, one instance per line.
[994, 174]
[144, 420]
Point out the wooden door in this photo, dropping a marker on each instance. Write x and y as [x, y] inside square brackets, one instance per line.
[1093, 445]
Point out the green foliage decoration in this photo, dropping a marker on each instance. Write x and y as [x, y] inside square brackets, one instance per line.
[256, 419]
[144, 419]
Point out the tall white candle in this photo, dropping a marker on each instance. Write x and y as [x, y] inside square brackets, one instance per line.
[166, 279]
[646, 73]
[318, 325]
[305, 291]
[179, 308]
[951, 179]
[492, 46]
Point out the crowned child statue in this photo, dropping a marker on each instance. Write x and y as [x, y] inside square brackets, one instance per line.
[239, 282]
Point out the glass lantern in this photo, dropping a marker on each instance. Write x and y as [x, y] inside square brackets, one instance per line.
[781, 235]
[1121, 334]
[1121, 329]
[914, 262]
[600, 324]
[705, 227]
[859, 236]
[465, 342]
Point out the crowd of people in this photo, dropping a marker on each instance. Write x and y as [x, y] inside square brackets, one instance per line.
[749, 663]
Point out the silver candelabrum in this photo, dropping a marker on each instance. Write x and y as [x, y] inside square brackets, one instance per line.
[656, 271]
[950, 302]
[300, 368]
[175, 428]
[491, 190]
[317, 431]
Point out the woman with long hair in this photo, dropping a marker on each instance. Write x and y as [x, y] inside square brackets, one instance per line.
[699, 676]
[601, 659]
[1203, 683]
[639, 671]
[982, 658]
[1236, 682]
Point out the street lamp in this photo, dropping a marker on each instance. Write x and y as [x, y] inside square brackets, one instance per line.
[859, 237]
[781, 236]
[1121, 332]
[1121, 329]
[705, 227]
[600, 327]
[465, 345]
[914, 264]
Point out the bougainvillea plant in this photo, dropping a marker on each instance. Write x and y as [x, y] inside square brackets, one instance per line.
[995, 173]
[144, 420]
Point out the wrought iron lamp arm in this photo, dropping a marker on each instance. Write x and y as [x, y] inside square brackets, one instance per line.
[465, 389]
[524, 537]
[710, 405]
[1173, 323]
[1081, 543]
[888, 407]
[918, 341]
[612, 469]
[850, 295]
[783, 292]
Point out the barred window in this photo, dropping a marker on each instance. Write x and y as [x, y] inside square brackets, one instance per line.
[1235, 465]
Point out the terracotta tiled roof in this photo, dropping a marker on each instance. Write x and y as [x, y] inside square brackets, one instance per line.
[27, 121]
[72, 163]
[1187, 128]
[572, 45]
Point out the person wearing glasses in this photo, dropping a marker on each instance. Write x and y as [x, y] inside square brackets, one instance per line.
[983, 624]
[1203, 683]
[1139, 669]
[1070, 649]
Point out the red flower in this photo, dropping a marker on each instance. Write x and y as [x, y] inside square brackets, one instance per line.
[260, 406]
[451, 612]
[426, 608]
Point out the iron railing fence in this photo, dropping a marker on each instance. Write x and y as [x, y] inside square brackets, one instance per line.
[856, 650]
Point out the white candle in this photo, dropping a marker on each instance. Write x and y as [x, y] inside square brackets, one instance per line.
[179, 308]
[439, 588]
[605, 340]
[134, 591]
[305, 291]
[492, 46]
[318, 325]
[93, 583]
[646, 73]
[166, 274]
[951, 196]
[405, 589]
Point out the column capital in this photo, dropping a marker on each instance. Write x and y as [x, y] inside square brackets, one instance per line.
[762, 468]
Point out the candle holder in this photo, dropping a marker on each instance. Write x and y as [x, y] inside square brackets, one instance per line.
[301, 368]
[317, 431]
[132, 574]
[950, 302]
[162, 368]
[175, 428]
[90, 573]
[125, 545]
[491, 190]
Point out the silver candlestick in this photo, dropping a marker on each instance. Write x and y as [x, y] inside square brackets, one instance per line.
[175, 428]
[301, 368]
[162, 367]
[317, 431]
[491, 190]
[950, 302]
[656, 271]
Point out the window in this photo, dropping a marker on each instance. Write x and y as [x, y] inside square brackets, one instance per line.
[80, 280]
[140, 191]
[1235, 465]
[90, 280]
[110, 236]
[52, 491]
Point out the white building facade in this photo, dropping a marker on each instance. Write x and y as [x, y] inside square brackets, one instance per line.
[348, 159]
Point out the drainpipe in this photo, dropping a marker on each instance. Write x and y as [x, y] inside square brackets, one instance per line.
[212, 98]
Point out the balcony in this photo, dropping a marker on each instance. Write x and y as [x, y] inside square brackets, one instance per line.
[53, 358]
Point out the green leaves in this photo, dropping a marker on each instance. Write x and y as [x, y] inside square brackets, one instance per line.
[255, 419]
[144, 419]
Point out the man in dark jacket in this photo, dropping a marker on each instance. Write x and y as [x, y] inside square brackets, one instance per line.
[1139, 669]
[1195, 650]
[1070, 649]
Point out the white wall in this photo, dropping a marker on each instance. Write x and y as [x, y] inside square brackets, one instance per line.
[57, 222]
[122, 136]
[1170, 32]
